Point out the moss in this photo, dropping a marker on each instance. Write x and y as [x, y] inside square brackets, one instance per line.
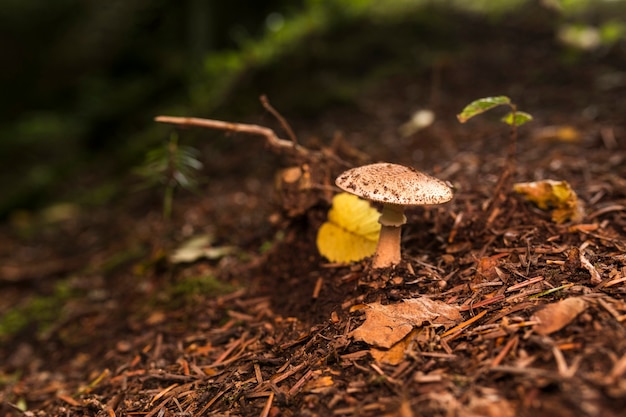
[39, 311]
[42, 311]
[122, 257]
[193, 289]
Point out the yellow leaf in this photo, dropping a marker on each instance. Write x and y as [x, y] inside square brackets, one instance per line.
[557, 134]
[555, 195]
[351, 232]
[355, 215]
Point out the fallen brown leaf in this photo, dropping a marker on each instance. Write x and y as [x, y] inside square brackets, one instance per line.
[386, 325]
[555, 316]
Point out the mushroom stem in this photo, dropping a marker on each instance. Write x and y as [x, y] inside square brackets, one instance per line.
[388, 249]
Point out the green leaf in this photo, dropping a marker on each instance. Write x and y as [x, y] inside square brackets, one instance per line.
[612, 31]
[480, 106]
[519, 119]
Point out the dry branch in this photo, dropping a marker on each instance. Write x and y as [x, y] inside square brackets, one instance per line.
[272, 139]
[283, 122]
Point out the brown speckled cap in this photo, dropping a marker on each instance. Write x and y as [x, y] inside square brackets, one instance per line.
[394, 184]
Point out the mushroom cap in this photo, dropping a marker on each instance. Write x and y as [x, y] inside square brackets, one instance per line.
[394, 184]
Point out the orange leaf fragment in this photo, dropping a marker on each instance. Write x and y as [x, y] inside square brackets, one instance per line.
[568, 134]
[319, 385]
[395, 354]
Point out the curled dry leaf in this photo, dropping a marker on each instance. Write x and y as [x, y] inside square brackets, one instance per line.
[596, 278]
[419, 120]
[199, 247]
[487, 267]
[553, 317]
[555, 195]
[386, 325]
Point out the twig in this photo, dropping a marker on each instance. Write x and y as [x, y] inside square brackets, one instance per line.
[162, 393]
[279, 378]
[607, 209]
[268, 405]
[283, 122]
[524, 284]
[611, 282]
[486, 284]
[595, 275]
[529, 372]
[611, 310]
[464, 324]
[298, 385]
[257, 374]
[228, 351]
[438, 355]
[71, 401]
[318, 288]
[271, 137]
[505, 351]
[382, 373]
[483, 303]
[212, 401]
[355, 356]
[564, 370]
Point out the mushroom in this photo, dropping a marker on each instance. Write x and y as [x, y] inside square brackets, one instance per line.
[396, 187]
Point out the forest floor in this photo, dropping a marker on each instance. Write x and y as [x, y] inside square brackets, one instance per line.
[264, 326]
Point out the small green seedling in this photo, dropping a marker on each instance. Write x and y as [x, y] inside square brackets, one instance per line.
[171, 166]
[513, 118]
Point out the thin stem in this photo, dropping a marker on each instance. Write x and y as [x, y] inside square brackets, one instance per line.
[509, 169]
[513, 140]
[283, 122]
[168, 198]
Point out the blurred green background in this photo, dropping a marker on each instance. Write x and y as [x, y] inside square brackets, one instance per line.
[81, 80]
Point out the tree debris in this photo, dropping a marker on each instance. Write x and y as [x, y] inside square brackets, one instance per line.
[553, 317]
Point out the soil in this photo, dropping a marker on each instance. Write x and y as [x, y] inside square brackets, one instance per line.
[266, 330]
